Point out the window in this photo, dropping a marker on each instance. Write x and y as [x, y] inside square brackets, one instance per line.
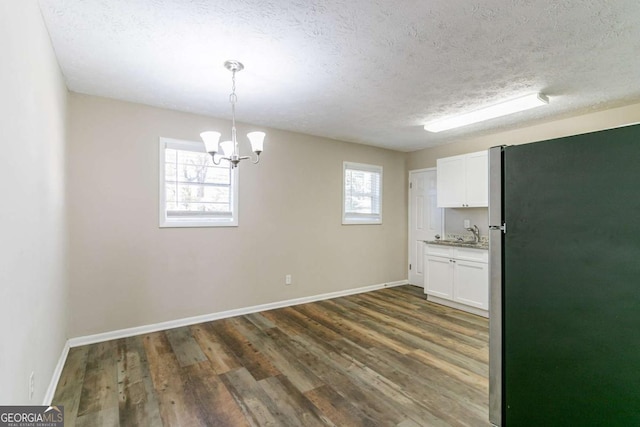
[362, 197]
[194, 192]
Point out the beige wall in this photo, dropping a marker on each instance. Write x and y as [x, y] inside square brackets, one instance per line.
[127, 272]
[554, 129]
[33, 285]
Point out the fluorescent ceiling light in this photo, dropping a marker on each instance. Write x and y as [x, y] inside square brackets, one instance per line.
[497, 110]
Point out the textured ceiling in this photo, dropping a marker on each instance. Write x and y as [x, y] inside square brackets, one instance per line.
[366, 71]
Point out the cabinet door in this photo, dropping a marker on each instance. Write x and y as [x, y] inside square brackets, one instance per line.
[477, 178]
[438, 277]
[451, 182]
[471, 284]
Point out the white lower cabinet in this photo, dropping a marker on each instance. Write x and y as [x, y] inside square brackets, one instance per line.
[458, 277]
[471, 280]
[439, 277]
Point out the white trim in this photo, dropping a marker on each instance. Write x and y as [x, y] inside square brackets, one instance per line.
[53, 384]
[163, 221]
[422, 170]
[182, 144]
[364, 219]
[139, 330]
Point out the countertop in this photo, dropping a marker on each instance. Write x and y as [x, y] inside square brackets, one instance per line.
[483, 245]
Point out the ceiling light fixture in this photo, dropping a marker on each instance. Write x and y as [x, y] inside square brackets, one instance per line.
[230, 148]
[498, 110]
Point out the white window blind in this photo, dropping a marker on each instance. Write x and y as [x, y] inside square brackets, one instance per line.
[362, 196]
[194, 192]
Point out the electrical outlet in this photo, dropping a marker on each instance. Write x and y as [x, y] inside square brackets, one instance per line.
[467, 223]
[287, 279]
[32, 384]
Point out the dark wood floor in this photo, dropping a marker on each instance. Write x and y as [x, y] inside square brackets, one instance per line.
[384, 358]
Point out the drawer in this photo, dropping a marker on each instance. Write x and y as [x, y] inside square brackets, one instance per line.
[467, 254]
[443, 251]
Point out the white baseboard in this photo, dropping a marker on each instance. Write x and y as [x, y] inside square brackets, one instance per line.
[138, 330]
[129, 332]
[145, 329]
[48, 397]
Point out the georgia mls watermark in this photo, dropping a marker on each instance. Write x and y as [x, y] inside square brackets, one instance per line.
[31, 416]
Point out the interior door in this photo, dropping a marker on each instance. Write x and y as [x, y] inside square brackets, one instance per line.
[425, 219]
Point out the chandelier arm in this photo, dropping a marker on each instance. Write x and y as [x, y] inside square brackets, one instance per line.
[257, 160]
[213, 158]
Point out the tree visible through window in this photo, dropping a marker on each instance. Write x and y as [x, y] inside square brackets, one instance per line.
[195, 191]
[362, 201]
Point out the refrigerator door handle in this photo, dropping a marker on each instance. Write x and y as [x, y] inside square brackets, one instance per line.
[502, 227]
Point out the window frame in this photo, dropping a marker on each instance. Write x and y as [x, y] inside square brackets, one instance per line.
[163, 220]
[370, 219]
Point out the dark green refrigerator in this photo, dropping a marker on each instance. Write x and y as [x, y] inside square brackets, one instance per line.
[564, 219]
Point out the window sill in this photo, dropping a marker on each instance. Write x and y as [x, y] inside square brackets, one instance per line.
[350, 222]
[190, 224]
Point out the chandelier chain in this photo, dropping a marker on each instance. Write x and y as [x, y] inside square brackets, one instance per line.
[233, 98]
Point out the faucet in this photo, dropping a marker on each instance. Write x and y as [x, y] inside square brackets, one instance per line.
[476, 233]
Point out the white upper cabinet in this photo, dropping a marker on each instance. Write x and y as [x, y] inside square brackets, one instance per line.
[451, 182]
[477, 178]
[463, 181]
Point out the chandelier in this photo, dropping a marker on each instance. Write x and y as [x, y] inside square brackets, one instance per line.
[230, 148]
